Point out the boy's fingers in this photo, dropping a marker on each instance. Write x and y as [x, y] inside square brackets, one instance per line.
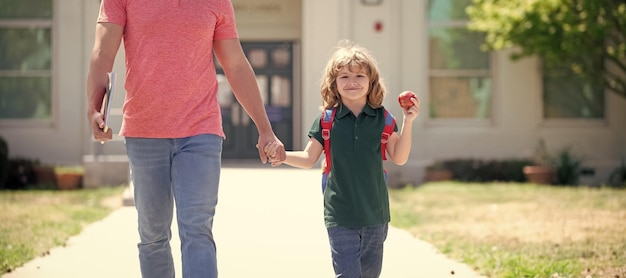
[271, 147]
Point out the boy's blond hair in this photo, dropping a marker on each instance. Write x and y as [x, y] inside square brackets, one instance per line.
[350, 54]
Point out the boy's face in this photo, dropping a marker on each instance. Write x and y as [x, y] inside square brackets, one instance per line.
[353, 84]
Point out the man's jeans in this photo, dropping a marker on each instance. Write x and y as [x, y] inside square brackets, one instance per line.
[187, 170]
[357, 252]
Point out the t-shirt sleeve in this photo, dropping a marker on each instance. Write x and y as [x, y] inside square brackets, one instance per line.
[113, 11]
[316, 130]
[395, 124]
[226, 27]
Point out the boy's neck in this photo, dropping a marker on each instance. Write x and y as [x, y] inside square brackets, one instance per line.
[355, 107]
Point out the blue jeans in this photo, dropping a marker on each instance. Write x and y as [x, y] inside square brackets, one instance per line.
[186, 170]
[357, 252]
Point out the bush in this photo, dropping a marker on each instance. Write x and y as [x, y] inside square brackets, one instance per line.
[21, 173]
[4, 161]
[618, 176]
[568, 168]
[475, 170]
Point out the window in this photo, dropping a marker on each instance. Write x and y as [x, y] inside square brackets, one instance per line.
[25, 59]
[567, 96]
[460, 83]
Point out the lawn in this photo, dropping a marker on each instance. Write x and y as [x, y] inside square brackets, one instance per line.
[34, 221]
[519, 230]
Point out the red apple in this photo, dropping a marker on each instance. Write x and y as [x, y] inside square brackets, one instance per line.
[405, 99]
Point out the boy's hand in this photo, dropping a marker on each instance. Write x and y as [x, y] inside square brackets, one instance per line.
[272, 152]
[271, 140]
[411, 112]
[405, 99]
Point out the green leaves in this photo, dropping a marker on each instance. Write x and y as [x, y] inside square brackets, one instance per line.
[586, 35]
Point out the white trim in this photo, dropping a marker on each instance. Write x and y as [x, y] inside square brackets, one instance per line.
[577, 123]
[489, 73]
[24, 23]
[44, 24]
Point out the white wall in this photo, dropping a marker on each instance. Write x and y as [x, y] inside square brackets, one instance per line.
[321, 29]
[60, 141]
[268, 19]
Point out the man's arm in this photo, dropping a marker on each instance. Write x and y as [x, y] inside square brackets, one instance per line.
[243, 82]
[107, 42]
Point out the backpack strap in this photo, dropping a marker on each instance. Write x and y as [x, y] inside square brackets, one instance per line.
[326, 122]
[328, 116]
[390, 123]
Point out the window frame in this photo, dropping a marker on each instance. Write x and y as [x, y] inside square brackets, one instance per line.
[488, 73]
[49, 23]
[569, 122]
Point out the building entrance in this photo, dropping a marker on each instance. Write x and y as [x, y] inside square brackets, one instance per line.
[274, 68]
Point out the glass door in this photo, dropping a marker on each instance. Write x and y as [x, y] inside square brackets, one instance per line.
[274, 68]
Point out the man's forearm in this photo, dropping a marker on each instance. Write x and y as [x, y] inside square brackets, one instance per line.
[246, 91]
[96, 83]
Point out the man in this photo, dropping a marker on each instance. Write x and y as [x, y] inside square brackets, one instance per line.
[172, 121]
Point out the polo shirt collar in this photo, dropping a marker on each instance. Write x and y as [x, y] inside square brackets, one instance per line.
[343, 111]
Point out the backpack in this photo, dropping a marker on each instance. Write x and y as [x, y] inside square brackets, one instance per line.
[326, 121]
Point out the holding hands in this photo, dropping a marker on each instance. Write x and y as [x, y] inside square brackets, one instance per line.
[273, 153]
[273, 150]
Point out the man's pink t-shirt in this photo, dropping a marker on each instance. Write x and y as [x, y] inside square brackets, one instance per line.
[171, 87]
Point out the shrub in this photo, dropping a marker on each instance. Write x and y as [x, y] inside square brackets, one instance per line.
[618, 176]
[568, 167]
[4, 161]
[21, 173]
[475, 170]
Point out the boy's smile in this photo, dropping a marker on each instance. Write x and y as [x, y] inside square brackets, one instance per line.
[353, 84]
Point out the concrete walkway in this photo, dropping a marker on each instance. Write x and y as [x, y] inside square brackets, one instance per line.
[268, 224]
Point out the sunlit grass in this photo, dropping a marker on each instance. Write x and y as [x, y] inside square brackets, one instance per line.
[32, 222]
[520, 230]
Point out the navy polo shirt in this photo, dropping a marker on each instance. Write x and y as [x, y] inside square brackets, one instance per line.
[356, 193]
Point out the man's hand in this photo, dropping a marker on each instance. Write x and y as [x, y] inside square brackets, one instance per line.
[270, 147]
[272, 154]
[96, 123]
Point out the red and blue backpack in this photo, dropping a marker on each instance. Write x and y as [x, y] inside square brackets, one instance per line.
[326, 121]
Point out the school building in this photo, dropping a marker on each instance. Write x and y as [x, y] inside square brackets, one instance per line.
[475, 104]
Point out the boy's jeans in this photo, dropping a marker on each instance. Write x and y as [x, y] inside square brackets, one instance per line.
[187, 170]
[357, 252]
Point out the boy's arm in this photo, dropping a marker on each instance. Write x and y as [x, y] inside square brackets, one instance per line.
[399, 145]
[303, 159]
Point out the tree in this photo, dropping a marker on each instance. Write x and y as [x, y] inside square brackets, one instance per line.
[588, 36]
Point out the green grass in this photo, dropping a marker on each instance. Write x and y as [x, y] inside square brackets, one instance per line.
[519, 230]
[34, 221]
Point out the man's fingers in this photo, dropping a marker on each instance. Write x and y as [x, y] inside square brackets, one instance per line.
[272, 151]
[103, 135]
[262, 155]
